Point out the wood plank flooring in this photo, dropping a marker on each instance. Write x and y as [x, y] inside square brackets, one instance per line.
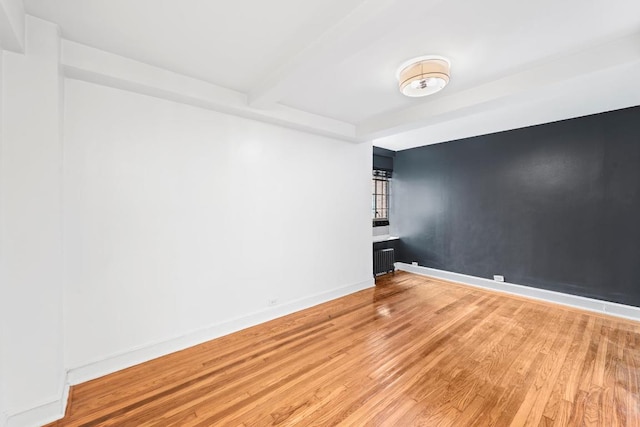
[413, 351]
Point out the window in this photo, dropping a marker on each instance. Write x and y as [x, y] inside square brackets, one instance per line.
[380, 197]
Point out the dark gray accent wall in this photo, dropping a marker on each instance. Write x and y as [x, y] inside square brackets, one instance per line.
[555, 206]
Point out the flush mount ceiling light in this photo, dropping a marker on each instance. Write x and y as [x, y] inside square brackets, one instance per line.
[424, 75]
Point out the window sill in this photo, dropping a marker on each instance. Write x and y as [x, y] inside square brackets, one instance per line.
[384, 238]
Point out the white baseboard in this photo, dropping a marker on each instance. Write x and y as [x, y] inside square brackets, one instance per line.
[151, 351]
[590, 304]
[37, 416]
[54, 409]
[51, 410]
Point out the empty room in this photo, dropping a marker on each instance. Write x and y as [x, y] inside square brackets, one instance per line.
[319, 212]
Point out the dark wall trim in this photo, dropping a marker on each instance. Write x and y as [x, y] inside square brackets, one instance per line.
[554, 206]
[378, 151]
[383, 159]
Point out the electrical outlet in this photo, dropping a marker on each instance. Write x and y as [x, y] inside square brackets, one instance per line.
[414, 263]
[272, 301]
[498, 278]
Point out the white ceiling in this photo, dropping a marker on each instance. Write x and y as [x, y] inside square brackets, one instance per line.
[514, 63]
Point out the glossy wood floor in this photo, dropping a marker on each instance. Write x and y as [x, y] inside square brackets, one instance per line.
[412, 351]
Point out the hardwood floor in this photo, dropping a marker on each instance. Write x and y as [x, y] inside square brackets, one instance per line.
[412, 351]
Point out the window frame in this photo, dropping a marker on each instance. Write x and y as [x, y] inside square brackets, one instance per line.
[382, 177]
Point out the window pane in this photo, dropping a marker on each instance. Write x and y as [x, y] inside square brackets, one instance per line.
[380, 196]
[373, 206]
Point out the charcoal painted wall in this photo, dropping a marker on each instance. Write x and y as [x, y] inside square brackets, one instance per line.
[555, 206]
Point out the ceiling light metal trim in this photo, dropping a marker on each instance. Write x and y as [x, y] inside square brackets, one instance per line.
[424, 75]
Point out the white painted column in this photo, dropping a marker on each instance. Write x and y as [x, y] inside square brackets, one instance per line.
[3, 290]
[31, 228]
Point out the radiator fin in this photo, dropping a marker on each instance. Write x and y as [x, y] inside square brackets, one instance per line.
[383, 261]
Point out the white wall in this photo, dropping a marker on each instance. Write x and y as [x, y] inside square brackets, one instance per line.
[3, 285]
[31, 223]
[174, 220]
[179, 218]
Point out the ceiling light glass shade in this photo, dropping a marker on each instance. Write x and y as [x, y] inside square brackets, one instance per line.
[423, 76]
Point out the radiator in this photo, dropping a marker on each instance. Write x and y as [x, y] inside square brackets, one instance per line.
[383, 260]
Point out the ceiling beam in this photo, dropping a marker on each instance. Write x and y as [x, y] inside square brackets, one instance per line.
[359, 29]
[12, 22]
[542, 76]
[85, 63]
